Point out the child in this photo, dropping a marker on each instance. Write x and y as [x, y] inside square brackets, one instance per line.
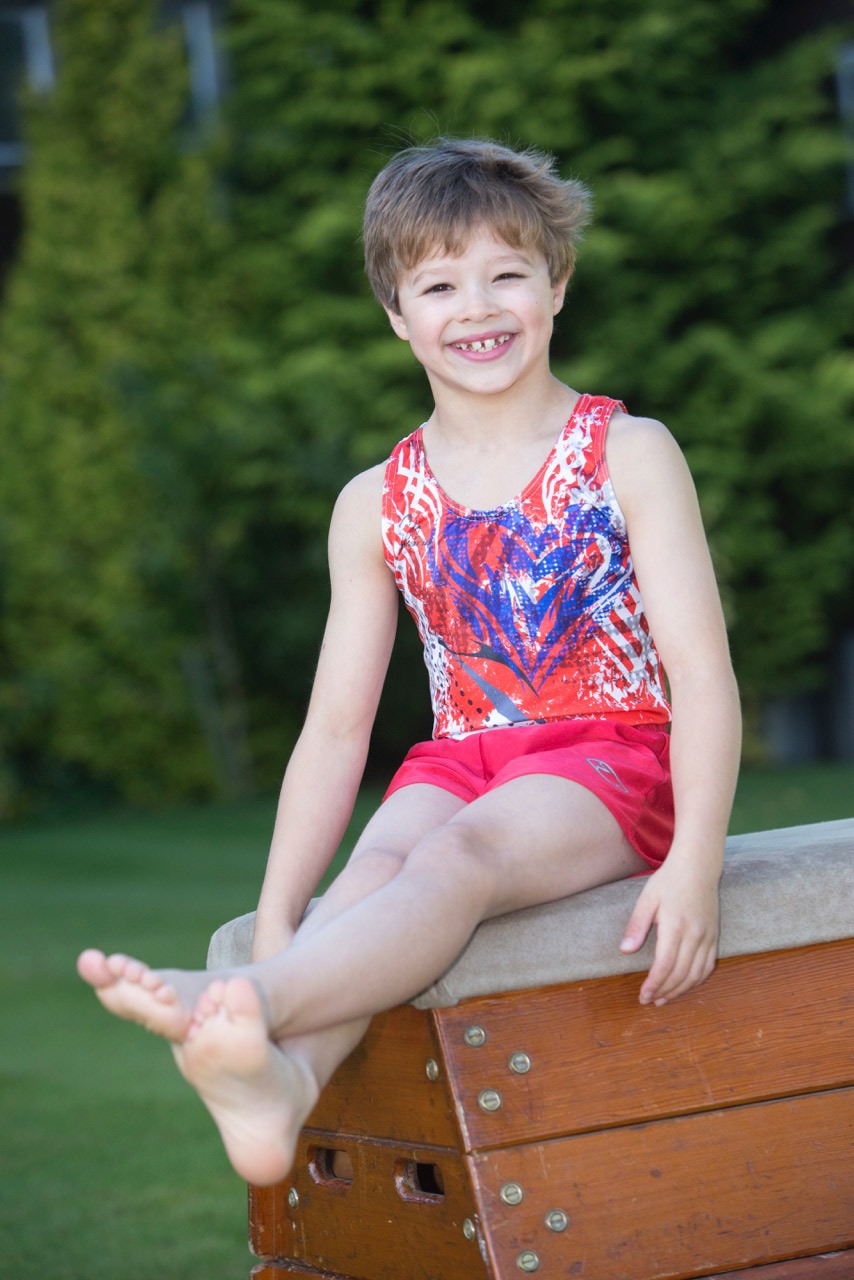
[506, 522]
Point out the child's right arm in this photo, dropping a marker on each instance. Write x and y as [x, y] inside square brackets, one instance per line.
[325, 769]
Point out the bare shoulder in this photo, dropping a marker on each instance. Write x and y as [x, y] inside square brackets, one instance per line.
[364, 489]
[644, 461]
[639, 438]
[356, 528]
[361, 497]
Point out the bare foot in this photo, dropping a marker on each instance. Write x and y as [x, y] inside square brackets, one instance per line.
[159, 1000]
[259, 1096]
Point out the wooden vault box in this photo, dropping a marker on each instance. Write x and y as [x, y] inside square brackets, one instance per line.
[519, 1123]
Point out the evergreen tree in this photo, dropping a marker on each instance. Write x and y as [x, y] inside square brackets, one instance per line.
[114, 627]
[183, 391]
[709, 293]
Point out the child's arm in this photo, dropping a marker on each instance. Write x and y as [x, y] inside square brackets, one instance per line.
[325, 769]
[677, 583]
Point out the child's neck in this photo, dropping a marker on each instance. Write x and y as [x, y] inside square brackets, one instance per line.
[508, 420]
[484, 454]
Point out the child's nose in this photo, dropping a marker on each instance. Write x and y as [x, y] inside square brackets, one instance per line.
[478, 301]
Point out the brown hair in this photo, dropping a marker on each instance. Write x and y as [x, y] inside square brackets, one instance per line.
[431, 197]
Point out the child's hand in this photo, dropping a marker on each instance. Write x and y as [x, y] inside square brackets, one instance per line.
[681, 900]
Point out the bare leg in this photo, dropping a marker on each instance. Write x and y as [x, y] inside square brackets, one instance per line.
[380, 951]
[534, 840]
[260, 1091]
[163, 1000]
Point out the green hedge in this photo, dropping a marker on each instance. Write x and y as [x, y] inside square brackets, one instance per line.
[191, 364]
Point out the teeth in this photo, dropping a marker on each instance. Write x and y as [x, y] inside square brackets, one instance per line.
[487, 345]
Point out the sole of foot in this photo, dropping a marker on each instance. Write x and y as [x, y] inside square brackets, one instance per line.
[258, 1096]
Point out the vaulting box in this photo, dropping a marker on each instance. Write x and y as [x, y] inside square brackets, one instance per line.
[530, 1116]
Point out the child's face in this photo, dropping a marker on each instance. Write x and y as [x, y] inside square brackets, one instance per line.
[479, 321]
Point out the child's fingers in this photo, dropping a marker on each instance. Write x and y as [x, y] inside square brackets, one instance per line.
[685, 948]
[681, 965]
[703, 965]
[664, 968]
[640, 922]
[700, 969]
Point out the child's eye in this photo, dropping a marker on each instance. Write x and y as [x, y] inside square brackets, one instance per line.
[438, 288]
[511, 275]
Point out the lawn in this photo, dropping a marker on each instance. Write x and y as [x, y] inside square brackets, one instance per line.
[109, 1166]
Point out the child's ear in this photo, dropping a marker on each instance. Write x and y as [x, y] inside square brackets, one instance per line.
[397, 323]
[559, 295]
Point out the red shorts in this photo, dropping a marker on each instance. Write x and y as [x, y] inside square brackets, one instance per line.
[627, 766]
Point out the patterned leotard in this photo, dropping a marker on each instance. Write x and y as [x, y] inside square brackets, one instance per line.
[529, 612]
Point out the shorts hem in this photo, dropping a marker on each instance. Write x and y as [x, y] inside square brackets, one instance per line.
[630, 763]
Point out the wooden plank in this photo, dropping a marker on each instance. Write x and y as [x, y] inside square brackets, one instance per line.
[270, 1225]
[677, 1198]
[383, 1222]
[827, 1266]
[763, 1026]
[824, 1266]
[285, 1271]
[383, 1089]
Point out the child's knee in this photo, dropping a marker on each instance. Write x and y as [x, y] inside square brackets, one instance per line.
[457, 850]
[374, 865]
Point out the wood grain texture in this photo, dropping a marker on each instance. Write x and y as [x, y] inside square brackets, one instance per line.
[383, 1091]
[284, 1271]
[831, 1266]
[379, 1225]
[678, 1198]
[707, 1140]
[270, 1225]
[826, 1266]
[763, 1026]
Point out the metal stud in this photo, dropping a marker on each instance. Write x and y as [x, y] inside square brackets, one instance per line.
[469, 1229]
[520, 1063]
[557, 1220]
[432, 1069]
[489, 1100]
[512, 1193]
[528, 1261]
[293, 1198]
[475, 1037]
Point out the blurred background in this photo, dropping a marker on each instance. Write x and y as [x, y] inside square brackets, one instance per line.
[191, 366]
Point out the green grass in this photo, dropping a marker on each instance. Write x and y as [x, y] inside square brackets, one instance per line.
[109, 1166]
[778, 797]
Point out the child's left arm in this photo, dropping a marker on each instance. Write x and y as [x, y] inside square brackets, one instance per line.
[677, 583]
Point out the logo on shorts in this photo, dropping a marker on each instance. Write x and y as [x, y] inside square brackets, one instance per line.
[605, 771]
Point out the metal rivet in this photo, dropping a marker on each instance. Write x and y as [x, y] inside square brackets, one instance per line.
[557, 1220]
[293, 1198]
[520, 1063]
[432, 1069]
[475, 1037]
[489, 1100]
[469, 1229]
[512, 1193]
[528, 1261]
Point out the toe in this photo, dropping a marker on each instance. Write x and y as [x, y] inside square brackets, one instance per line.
[117, 965]
[204, 1008]
[92, 967]
[241, 999]
[215, 991]
[135, 971]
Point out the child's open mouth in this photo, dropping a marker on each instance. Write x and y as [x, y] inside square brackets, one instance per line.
[483, 346]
